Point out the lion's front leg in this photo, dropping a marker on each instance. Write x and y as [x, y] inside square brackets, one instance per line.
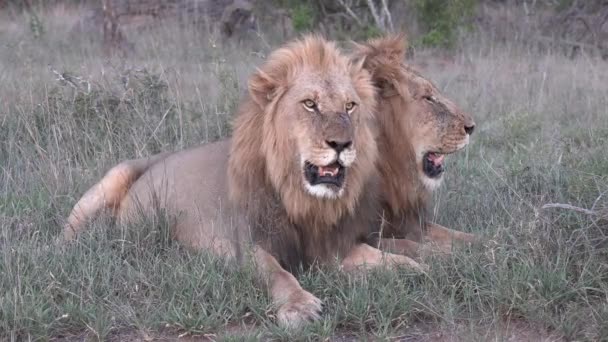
[364, 256]
[444, 237]
[408, 248]
[296, 306]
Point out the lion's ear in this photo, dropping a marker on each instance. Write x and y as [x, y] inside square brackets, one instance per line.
[391, 48]
[383, 58]
[386, 88]
[262, 88]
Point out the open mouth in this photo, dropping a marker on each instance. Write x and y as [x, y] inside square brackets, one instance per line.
[432, 164]
[332, 174]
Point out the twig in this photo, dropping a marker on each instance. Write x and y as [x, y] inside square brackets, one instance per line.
[351, 13]
[377, 19]
[598, 199]
[387, 13]
[570, 207]
[153, 135]
[382, 225]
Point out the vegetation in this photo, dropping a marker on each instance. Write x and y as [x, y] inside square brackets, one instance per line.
[67, 115]
[442, 20]
[303, 17]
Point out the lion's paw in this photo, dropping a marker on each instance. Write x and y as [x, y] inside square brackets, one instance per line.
[407, 262]
[431, 248]
[300, 308]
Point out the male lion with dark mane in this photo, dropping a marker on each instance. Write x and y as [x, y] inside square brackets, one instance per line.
[418, 127]
[296, 182]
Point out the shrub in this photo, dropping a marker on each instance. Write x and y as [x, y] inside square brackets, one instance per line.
[303, 17]
[441, 19]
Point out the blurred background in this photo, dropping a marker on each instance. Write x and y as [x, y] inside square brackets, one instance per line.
[570, 25]
[87, 84]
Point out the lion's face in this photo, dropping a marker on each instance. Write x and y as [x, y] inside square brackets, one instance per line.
[307, 131]
[418, 123]
[434, 125]
[320, 112]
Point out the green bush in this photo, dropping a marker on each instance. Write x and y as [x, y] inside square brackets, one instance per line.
[36, 26]
[303, 17]
[441, 19]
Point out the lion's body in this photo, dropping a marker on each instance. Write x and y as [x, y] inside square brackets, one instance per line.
[190, 186]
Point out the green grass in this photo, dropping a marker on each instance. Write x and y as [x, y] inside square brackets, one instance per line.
[541, 138]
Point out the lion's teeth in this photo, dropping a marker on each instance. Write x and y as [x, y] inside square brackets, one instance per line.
[328, 171]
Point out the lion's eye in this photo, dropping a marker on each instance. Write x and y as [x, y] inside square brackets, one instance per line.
[350, 106]
[309, 104]
[429, 98]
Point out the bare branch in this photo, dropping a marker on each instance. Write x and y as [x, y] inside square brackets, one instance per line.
[377, 19]
[351, 13]
[569, 207]
[387, 13]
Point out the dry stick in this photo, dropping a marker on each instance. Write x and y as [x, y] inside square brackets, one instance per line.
[377, 19]
[350, 12]
[382, 225]
[387, 13]
[153, 135]
[597, 200]
[569, 207]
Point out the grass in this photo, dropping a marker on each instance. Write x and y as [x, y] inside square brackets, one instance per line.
[67, 115]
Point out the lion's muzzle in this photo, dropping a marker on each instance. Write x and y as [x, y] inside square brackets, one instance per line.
[325, 165]
[325, 172]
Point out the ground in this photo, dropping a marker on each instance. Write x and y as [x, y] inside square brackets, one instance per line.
[67, 114]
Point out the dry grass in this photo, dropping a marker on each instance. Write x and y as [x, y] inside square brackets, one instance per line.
[542, 135]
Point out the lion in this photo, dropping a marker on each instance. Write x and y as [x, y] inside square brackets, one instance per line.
[418, 127]
[295, 185]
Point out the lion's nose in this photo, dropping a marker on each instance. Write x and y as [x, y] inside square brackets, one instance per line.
[338, 146]
[469, 128]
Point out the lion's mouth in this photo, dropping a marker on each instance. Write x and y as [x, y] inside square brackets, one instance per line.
[332, 174]
[432, 164]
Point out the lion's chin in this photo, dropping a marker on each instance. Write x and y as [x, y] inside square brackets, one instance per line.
[324, 181]
[323, 191]
[431, 184]
[433, 165]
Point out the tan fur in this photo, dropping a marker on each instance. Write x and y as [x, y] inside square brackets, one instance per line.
[414, 118]
[364, 256]
[108, 193]
[247, 194]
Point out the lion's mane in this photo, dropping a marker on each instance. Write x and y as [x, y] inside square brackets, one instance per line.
[405, 201]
